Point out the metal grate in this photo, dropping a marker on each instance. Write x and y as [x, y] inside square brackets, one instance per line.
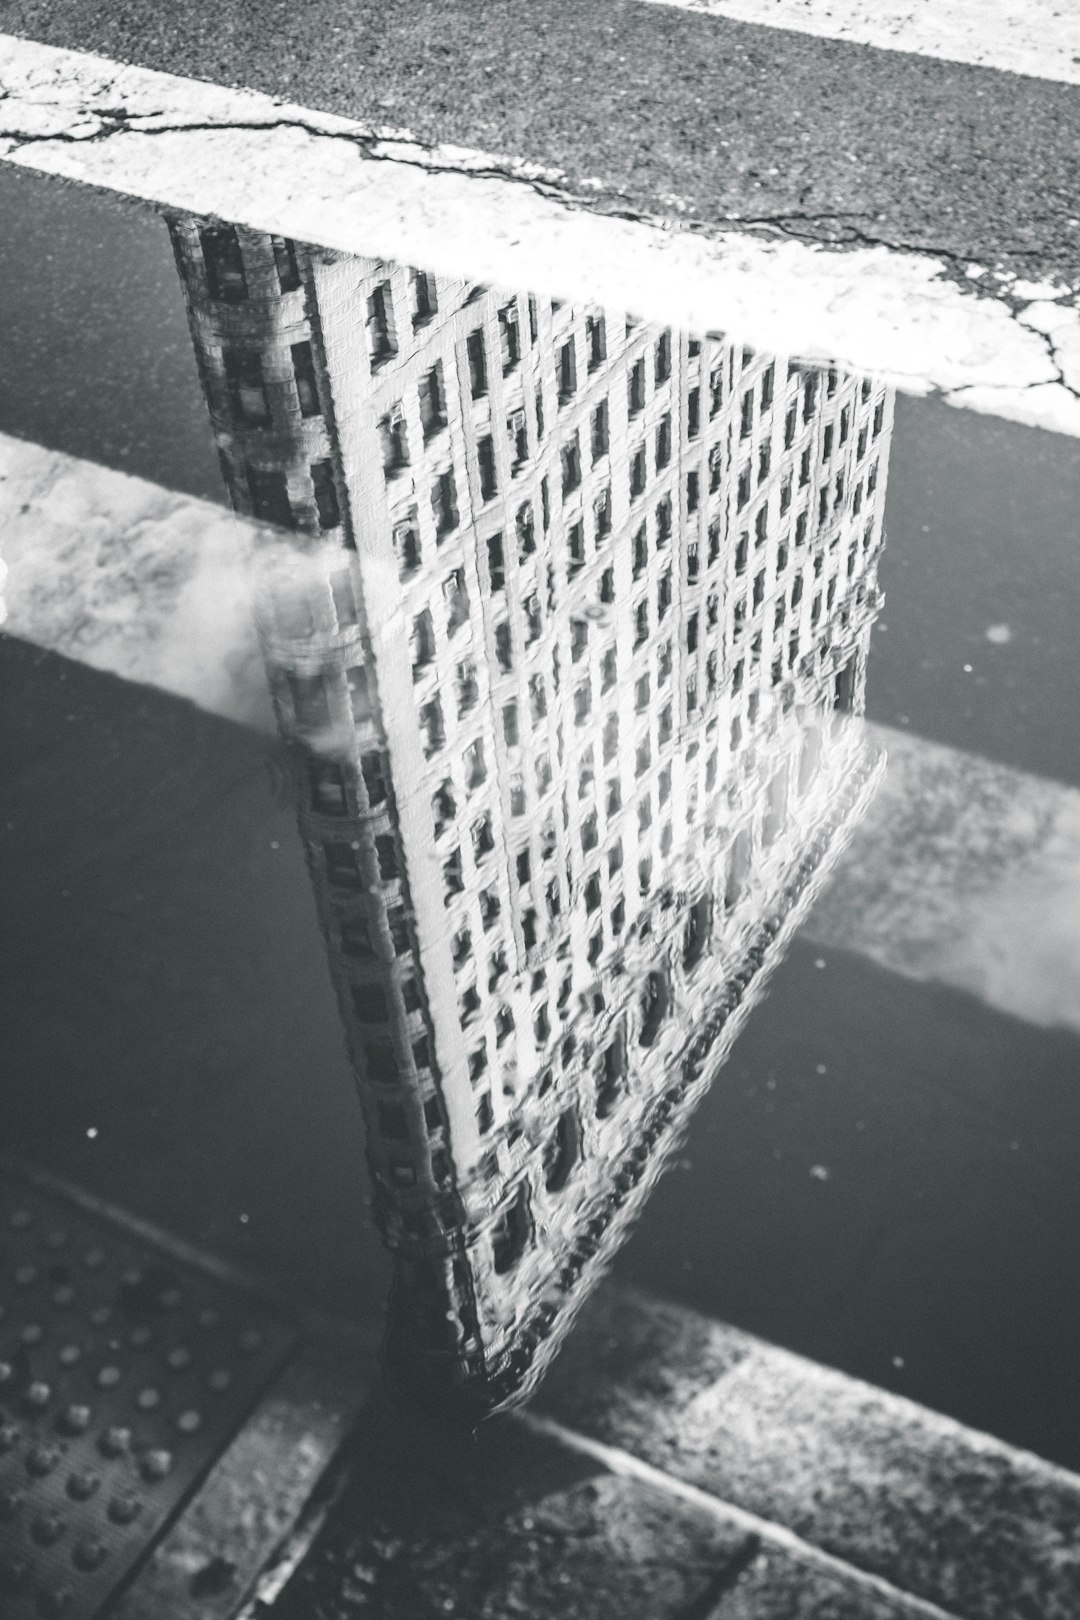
[123, 1374]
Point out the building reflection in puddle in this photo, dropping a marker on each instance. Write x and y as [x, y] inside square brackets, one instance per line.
[566, 620]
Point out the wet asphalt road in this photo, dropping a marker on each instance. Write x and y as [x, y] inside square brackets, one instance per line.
[655, 111]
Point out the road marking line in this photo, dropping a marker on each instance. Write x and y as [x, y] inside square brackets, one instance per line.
[324, 179]
[965, 872]
[1040, 38]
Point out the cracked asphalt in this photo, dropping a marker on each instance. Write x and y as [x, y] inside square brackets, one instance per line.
[657, 113]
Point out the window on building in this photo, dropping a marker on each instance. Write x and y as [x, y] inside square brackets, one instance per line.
[519, 440]
[432, 396]
[485, 455]
[444, 808]
[270, 497]
[662, 370]
[326, 500]
[475, 765]
[509, 337]
[582, 703]
[654, 1007]
[575, 547]
[599, 433]
[496, 562]
[224, 263]
[433, 726]
[444, 504]
[746, 414]
[571, 464]
[483, 839]
[537, 698]
[635, 388]
[423, 643]
[393, 440]
[288, 271]
[373, 770]
[326, 782]
[387, 856]
[453, 881]
[381, 327]
[663, 441]
[406, 541]
[425, 300]
[566, 378]
[467, 687]
[524, 528]
[247, 390]
[510, 1232]
[638, 473]
[602, 515]
[476, 354]
[595, 340]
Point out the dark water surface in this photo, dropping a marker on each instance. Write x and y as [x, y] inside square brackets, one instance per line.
[883, 1172]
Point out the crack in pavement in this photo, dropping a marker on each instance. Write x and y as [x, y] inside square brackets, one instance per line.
[555, 187]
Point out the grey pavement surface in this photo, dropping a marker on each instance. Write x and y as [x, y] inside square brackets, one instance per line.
[950, 1516]
[655, 112]
[511, 1525]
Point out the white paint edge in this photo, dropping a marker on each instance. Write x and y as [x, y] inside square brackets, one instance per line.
[1039, 38]
[324, 179]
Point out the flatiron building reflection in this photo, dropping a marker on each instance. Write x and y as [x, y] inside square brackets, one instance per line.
[566, 616]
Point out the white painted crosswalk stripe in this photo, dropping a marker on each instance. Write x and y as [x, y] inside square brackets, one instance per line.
[939, 884]
[243, 156]
[1036, 37]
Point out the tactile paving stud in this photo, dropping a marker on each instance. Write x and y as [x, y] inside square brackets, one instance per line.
[156, 1464]
[46, 1529]
[90, 1553]
[123, 1375]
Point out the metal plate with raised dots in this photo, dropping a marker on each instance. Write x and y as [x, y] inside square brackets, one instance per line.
[123, 1375]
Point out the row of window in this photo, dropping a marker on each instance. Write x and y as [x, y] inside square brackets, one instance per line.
[226, 273]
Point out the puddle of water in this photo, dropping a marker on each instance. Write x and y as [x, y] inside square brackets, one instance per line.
[555, 634]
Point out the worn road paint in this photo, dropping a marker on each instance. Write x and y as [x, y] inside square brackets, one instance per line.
[1037, 37]
[913, 318]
